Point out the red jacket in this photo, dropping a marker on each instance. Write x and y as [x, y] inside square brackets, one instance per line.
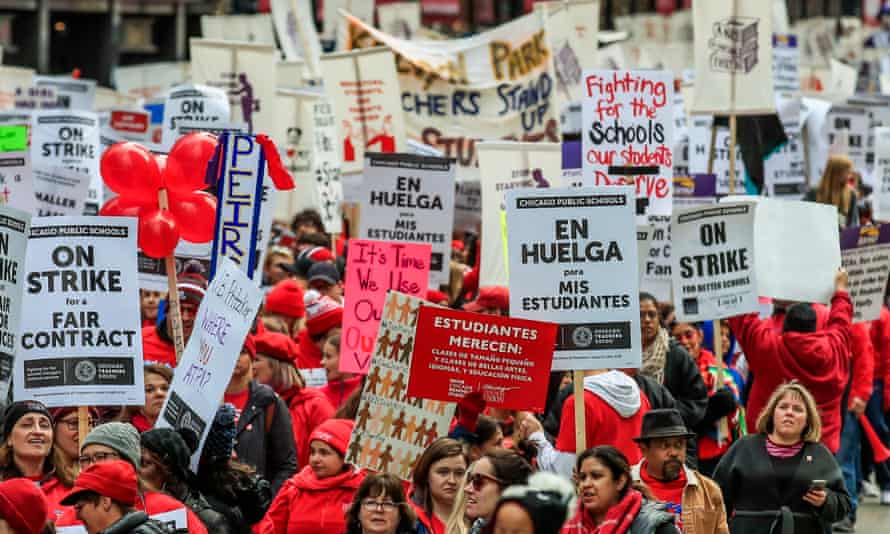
[308, 408]
[307, 505]
[310, 355]
[151, 503]
[880, 340]
[819, 360]
[862, 367]
[431, 523]
[157, 351]
[55, 491]
[337, 392]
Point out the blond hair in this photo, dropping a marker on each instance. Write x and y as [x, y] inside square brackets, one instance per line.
[457, 521]
[284, 374]
[812, 431]
[833, 188]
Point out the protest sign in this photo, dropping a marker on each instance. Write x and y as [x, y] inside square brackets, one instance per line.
[713, 262]
[572, 257]
[81, 336]
[34, 98]
[59, 191]
[865, 254]
[124, 125]
[733, 57]
[372, 269]
[194, 257]
[410, 198]
[208, 106]
[784, 171]
[504, 166]
[392, 429]
[224, 318]
[699, 148]
[506, 359]
[12, 81]
[786, 64]
[467, 206]
[498, 84]
[74, 94]
[881, 174]
[296, 32]
[16, 185]
[246, 28]
[853, 124]
[571, 29]
[399, 19]
[14, 137]
[63, 138]
[14, 231]
[150, 80]
[644, 240]
[245, 71]
[628, 136]
[364, 90]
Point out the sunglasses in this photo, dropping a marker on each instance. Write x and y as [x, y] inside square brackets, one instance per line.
[478, 480]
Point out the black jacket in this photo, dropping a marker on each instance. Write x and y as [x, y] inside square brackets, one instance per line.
[138, 522]
[683, 379]
[272, 454]
[243, 499]
[212, 519]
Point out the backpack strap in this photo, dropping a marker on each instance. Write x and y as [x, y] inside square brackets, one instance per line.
[270, 415]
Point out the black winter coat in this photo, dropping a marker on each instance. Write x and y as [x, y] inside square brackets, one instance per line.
[212, 519]
[755, 495]
[138, 523]
[272, 454]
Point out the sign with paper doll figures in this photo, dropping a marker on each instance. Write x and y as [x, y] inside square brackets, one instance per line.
[392, 429]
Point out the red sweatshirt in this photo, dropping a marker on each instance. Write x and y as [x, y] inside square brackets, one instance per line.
[308, 408]
[819, 360]
[338, 391]
[152, 503]
[880, 339]
[157, 351]
[862, 367]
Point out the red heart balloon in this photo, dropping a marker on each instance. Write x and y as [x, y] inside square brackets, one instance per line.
[130, 170]
[121, 207]
[187, 162]
[196, 213]
[158, 232]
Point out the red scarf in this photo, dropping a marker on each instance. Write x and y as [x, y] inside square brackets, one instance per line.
[617, 521]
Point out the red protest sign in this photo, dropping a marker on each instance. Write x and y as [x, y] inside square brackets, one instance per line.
[508, 360]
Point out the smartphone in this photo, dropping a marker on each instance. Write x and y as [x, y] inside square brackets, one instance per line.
[817, 485]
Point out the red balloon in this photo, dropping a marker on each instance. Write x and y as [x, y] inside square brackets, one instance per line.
[158, 233]
[121, 207]
[130, 170]
[196, 215]
[187, 162]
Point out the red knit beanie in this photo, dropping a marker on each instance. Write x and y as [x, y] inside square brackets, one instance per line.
[23, 505]
[334, 432]
[278, 346]
[286, 298]
[322, 313]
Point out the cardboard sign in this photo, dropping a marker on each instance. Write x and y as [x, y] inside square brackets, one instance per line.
[713, 262]
[392, 429]
[12, 81]
[208, 106]
[364, 91]
[223, 320]
[628, 136]
[410, 199]
[74, 94]
[14, 231]
[733, 57]
[507, 360]
[573, 259]
[372, 269]
[81, 335]
[865, 254]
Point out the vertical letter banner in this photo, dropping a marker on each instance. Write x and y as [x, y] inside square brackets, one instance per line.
[629, 121]
[63, 138]
[733, 57]
[865, 254]
[208, 106]
[223, 320]
[81, 335]
[506, 359]
[14, 230]
[881, 174]
[246, 72]
[392, 429]
[713, 262]
[498, 84]
[372, 269]
[364, 90]
[410, 198]
[504, 166]
[16, 185]
[573, 259]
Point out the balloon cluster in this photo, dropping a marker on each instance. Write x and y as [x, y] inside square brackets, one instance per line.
[138, 176]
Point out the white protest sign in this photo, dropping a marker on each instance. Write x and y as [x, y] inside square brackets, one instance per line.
[399, 19]
[504, 166]
[644, 240]
[881, 174]
[713, 262]
[865, 254]
[223, 321]
[733, 57]
[192, 103]
[191, 257]
[16, 185]
[248, 28]
[784, 170]
[72, 93]
[149, 80]
[410, 198]
[786, 64]
[699, 147]
[573, 254]
[852, 122]
[628, 134]
[14, 230]
[81, 336]
[12, 81]
[468, 206]
[572, 27]
[69, 138]
[60, 191]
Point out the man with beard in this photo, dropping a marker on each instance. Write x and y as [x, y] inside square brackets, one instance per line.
[695, 499]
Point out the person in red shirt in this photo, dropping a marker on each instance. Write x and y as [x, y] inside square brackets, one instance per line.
[285, 302]
[340, 385]
[879, 403]
[157, 339]
[157, 379]
[324, 317]
[149, 302]
[23, 507]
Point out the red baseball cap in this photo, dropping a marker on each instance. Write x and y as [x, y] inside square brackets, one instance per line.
[115, 479]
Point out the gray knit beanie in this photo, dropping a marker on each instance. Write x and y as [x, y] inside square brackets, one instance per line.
[122, 437]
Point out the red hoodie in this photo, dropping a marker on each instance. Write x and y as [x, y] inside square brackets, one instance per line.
[152, 503]
[55, 491]
[819, 360]
[157, 351]
[310, 355]
[339, 390]
[863, 366]
[308, 408]
[307, 505]
[880, 340]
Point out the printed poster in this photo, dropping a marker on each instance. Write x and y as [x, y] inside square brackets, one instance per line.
[60, 191]
[399, 19]
[786, 64]
[16, 185]
[74, 94]
[881, 174]
[223, 321]
[81, 336]
[848, 129]
[865, 254]
[506, 359]
[410, 198]
[573, 261]
[63, 138]
[192, 103]
[191, 257]
[713, 262]
[372, 269]
[14, 230]
[699, 147]
[392, 429]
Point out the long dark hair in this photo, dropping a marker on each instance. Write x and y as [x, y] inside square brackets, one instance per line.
[612, 459]
[509, 466]
[420, 476]
[376, 485]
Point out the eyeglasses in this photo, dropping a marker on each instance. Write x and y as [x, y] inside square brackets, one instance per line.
[72, 424]
[372, 505]
[477, 480]
[86, 460]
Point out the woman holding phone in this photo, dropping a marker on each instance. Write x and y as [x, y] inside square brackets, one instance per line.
[782, 479]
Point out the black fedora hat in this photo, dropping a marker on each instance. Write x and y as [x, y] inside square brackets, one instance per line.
[666, 423]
